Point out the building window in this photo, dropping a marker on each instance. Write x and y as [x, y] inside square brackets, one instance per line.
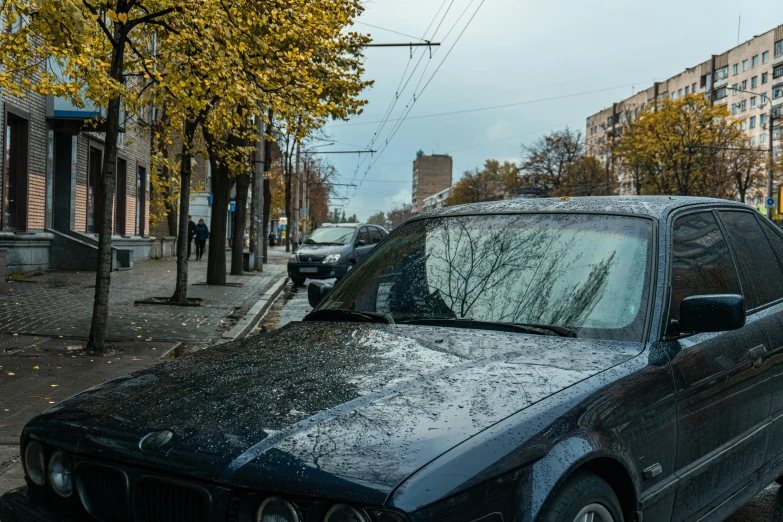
[686, 90]
[744, 105]
[764, 78]
[778, 48]
[721, 93]
[693, 88]
[744, 124]
[752, 102]
[763, 120]
[755, 61]
[734, 89]
[744, 85]
[15, 172]
[733, 109]
[752, 122]
[754, 82]
[763, 139]
[777, 72]
[765, 57]
[777, 92]
[735, 69]
[753, 142]
[141, 201]
[679, 93]
[744, 65]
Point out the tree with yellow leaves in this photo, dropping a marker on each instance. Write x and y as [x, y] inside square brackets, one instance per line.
[680, 147]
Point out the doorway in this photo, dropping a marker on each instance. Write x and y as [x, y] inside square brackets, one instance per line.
[141, 200]
[121, 197]
[63, 190]
[15, 172]
[94, 201]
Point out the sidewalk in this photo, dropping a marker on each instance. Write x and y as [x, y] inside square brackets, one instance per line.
[45, 321]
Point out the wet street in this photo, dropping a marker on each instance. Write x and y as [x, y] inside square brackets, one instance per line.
[292, 305]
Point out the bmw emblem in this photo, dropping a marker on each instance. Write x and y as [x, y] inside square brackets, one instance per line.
[155, 440]
[309, 259]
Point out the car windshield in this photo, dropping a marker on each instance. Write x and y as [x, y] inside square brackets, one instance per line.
[588, 273]
[331, 236]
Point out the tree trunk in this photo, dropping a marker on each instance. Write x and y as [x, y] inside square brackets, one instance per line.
[185, 169]
[267, 186]
[221, 196]
[96, 343]
[240, 216]
[288, 212]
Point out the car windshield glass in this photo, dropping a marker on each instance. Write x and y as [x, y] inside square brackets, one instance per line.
[588, 273]
[338, 236]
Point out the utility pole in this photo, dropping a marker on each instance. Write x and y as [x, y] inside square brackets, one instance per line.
[771, 166]
[259, 230]
[295, 214]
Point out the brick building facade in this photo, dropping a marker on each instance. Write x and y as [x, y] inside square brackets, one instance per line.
[431, 174]
[50, 165]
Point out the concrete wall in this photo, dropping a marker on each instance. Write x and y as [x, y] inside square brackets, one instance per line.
[26, 252]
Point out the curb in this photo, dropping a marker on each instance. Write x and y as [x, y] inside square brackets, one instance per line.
[245, 325]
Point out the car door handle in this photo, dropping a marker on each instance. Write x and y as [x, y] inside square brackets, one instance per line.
[757, 354]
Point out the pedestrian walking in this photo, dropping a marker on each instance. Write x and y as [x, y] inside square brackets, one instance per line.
[202, 234]
[191, 233]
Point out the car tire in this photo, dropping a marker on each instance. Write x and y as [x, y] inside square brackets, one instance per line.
[584, 497]
[298, 280]
[351, 265]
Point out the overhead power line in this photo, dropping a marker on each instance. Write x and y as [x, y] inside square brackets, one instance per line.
[492, 107]
[391, 31]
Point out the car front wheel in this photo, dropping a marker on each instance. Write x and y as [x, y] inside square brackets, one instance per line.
[297, 280]
[584, 497]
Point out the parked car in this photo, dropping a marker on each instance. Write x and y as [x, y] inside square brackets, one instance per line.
[594, 359]
[332, 251]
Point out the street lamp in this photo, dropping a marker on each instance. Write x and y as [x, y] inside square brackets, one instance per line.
[771, 166]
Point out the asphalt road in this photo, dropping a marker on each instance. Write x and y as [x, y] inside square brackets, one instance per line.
[767, 506]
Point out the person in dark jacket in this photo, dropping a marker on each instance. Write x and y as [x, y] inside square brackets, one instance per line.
[191, 233]
[202, 234]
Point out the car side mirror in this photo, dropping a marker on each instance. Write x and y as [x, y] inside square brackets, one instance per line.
[712, 313]
[361, 242]
[316, 291]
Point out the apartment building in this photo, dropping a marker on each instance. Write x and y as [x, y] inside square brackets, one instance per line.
[755, 66]
[431, 174]
[436, 200]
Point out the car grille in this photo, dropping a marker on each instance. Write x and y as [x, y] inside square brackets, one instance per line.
[104, 492]
[157, 501]
[310, 259]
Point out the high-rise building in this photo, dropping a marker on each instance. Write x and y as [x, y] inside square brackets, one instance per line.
[755, 66]
[431, 174]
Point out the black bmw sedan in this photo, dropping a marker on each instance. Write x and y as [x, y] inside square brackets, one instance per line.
[586, 360]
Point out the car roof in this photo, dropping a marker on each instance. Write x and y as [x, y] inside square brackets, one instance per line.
[650, 206]
[344, 225]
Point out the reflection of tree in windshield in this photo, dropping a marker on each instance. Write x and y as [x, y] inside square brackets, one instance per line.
[514, 272]
[586, 272]
[331, 235]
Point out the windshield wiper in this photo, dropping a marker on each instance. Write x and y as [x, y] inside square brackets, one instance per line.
[353, 316]
[308, 242]
[539, 329]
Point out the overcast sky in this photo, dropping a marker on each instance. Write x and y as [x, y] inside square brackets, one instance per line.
[591, 53]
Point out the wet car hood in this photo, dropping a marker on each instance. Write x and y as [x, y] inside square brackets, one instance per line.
[315, 407]
[318, 250]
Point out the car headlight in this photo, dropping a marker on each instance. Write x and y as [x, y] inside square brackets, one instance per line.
[61, 474]
[331, 258]
[344, 513]
[292, 258]
[34, 463]
[275, 509]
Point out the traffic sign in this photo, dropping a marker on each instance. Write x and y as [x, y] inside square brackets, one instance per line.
[771, 203]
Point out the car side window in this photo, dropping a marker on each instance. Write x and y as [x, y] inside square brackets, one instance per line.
[363, 235]
[701, 261]
[759, 267]
[376, 235]
[775, 239]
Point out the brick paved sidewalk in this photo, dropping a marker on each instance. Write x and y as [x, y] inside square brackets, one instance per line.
[58, 304]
